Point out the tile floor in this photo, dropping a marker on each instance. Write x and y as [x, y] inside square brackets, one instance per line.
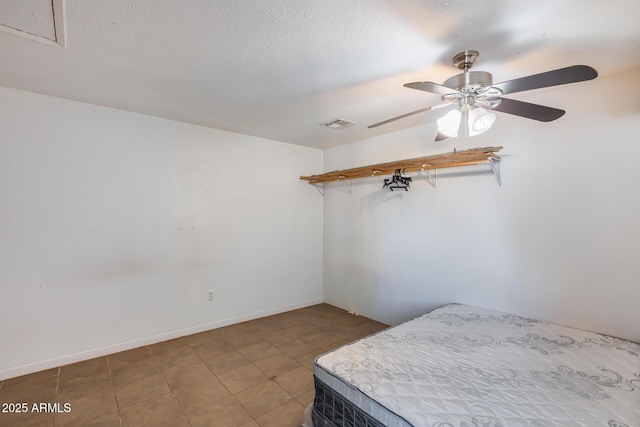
[256, 373]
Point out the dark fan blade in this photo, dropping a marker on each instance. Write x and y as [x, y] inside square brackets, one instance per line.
[431, 87]
[422, 110]
[525, 109]
[562, 76]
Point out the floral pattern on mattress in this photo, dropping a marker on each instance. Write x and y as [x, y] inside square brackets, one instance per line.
[462, 366]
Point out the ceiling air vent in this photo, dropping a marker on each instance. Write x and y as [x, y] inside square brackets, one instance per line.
[338, 124]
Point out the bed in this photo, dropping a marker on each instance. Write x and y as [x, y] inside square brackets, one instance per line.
[462, 366]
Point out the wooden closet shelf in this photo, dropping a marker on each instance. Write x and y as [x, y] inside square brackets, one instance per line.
[470, 157]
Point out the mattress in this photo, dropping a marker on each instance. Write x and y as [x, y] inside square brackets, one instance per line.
[461, 366]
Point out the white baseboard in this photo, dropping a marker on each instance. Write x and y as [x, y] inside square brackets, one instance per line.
[103, 351]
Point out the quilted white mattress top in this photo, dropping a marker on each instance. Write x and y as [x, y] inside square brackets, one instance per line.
[462, 366]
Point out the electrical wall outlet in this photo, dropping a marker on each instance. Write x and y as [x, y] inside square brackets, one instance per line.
[210, 295]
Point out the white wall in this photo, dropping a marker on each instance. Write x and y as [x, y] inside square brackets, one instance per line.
[114, 225]
[560, 240]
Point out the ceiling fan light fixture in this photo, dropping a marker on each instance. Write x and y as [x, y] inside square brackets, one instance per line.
[480, 121]
[473, 89]
[449, 123]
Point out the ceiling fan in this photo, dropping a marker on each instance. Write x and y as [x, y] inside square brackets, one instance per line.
[474, 95]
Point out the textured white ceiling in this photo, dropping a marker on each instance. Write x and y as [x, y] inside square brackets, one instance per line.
[278, 68]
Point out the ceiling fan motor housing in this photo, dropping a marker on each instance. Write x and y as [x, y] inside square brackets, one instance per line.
[471, 81]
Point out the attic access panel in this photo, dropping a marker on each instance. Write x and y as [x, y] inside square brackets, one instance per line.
[38, 20]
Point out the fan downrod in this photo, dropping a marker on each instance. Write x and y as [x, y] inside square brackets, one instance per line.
[468, 81]
[465, 60]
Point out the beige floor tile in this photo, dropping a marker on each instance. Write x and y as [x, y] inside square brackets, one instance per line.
[277, 364]
[49, 422]
[186, 376]
[322, 339]
[324, 307]
[86, 408]
[282, 336]
[38, 389]
[350, 334]
[232, 330]
[178, 422]
[339, 344]
[308, 360]
[370, 327]
[144, 368]
[287, 319]
[296, 382]
[83, 386]
[213, 348]
[282, 320]
[259, 351]
[37, 376]
[346, 319]
[203, 337]
[303, 329]
[296, 315]
[141, 390]
[111, 419]
[264, 326]
[89, 368]
[227, 362]
[128, 358]
[251, 423]
[156, 411]
[243, 340]
[242, 378]
[166, 348]
[289, 414]
[226, 412]
[307, 398]
[323, 322]
[298, 347]
[29, 418]
[201, 394]
[262, 398]
[178, 358]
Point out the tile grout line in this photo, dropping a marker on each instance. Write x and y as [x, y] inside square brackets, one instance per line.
[55, 393]
[113, 387]
[208, 367]
[155, 362]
